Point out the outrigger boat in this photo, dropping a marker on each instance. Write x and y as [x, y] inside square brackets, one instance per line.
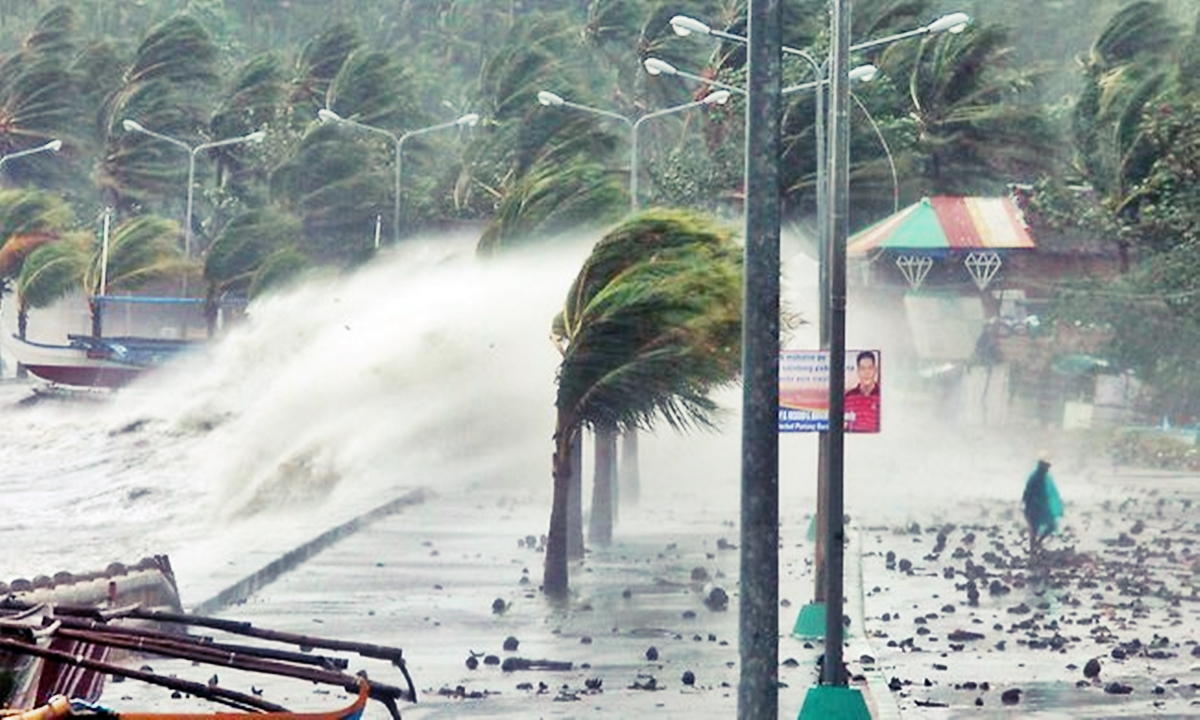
[102, 362]
[146, 333]
[61, 637]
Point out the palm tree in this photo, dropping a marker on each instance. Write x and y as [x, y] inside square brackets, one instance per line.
[1129, 68]
[650, 325]
[972, 129]
[165, 88]
[249, 243]
[37, 98]
[29, 219]
[337, 205]
[141, 251]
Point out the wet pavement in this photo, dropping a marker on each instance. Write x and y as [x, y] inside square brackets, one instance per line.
[1106, 627]
[454, 579]
[454, 582]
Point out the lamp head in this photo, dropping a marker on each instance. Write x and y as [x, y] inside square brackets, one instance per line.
[654, 66]
[256, 137]
[953, 23]
[327, 115]
[717, 97]
[54, 145]
[131, 125]
[468, 120]
[549, 99]
[864, 73]
[684, 26]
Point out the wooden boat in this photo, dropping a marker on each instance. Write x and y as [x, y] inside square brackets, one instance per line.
[130, 335]
[60, 707]
[49, 647]
[33, 680]
[105, 362]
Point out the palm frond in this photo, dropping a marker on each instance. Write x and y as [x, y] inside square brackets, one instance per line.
[179, 51]
[244, 245]
[52, 271]
[648, 334]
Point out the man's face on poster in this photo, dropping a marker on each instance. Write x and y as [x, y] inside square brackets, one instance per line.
[866, 374]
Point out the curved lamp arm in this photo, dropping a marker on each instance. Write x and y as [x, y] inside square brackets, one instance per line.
[549, 99]
[52, 146]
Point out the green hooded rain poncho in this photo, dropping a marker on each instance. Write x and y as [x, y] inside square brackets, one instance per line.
[1043, 506]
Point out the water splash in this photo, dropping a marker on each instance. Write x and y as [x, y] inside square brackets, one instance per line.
[428, 367]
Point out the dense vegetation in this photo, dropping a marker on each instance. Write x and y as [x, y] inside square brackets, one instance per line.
[1098, 94]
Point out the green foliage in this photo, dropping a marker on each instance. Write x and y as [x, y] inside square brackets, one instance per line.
[279, 269]
[1138, 144]
[972, 130]
[28, 220]
[141, 251]
[651, 324]
[51, 271]
[245, 244]
[23, 212]
[338, 205]
[552, 199]
[318, 64]
[371, 88]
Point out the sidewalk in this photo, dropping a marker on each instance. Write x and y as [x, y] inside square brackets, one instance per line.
[426, 580]
[962, 627]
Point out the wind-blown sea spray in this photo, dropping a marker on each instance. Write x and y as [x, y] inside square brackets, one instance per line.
[428, 367]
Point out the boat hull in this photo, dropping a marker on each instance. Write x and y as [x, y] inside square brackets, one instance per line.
[33, 680]
[95, 362]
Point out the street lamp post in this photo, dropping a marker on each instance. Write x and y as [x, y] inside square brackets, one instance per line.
[192, 151]
[953, 23]
[549, 99]
[468, 120]
[52, 146]
[719, 97]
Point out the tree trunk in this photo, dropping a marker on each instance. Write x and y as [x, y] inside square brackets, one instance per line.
[601, 522]
[97, 309]
[630, 475]
[555, 575]
[575, 500]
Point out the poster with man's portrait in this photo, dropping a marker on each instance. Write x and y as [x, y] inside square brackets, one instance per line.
[804, 391]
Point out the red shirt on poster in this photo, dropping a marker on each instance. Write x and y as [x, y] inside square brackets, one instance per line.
[862, 401]
[862, 409]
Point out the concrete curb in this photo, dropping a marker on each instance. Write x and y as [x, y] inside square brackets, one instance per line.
[255, 581]
[880, 699]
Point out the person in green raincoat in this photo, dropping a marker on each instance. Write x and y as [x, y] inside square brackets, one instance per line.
[1043, 507]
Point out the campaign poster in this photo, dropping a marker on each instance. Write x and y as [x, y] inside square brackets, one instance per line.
[804, 391]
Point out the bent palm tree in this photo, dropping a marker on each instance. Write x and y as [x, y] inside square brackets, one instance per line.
[650, 326]
[140, 251]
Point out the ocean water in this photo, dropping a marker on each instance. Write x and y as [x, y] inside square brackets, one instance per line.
[427, 368]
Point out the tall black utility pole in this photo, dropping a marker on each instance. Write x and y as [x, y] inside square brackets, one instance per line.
[758, 626]
[839, 207]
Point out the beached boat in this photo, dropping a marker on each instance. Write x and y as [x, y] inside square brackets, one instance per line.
[105, 362]
[63, 635]
[31, 680]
